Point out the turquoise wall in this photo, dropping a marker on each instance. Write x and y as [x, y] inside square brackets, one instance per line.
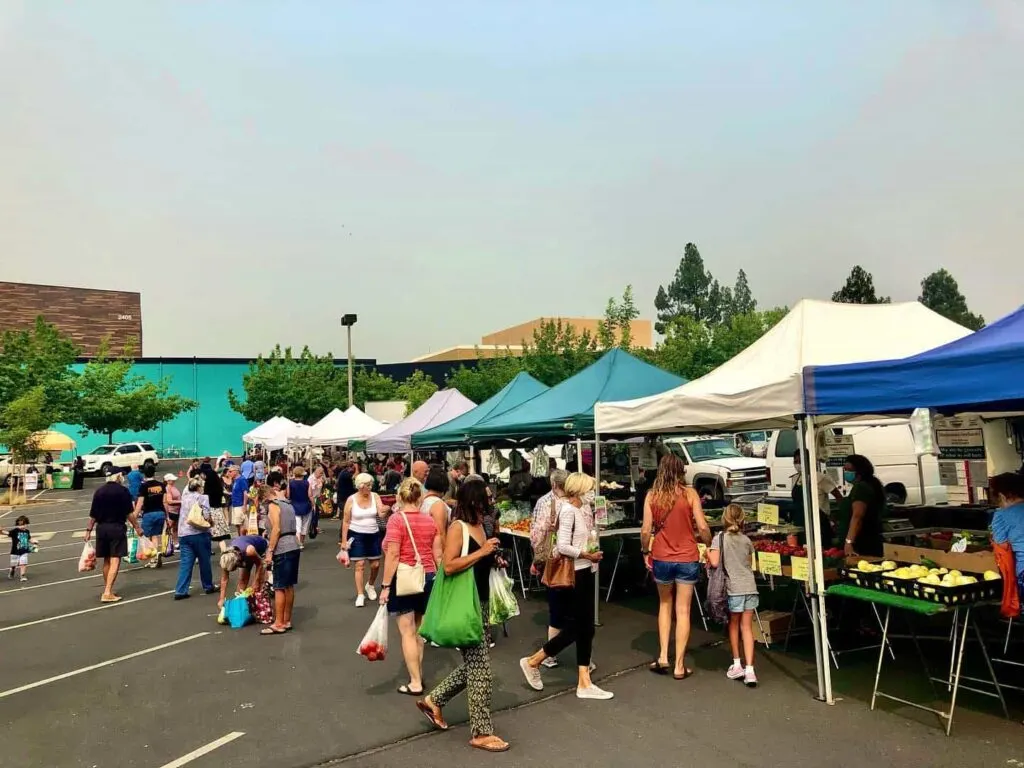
[210, 429]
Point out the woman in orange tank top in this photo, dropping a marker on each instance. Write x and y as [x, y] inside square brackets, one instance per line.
[667, 539]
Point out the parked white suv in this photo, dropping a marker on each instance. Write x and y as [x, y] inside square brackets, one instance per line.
[716, 469]
[107, 458]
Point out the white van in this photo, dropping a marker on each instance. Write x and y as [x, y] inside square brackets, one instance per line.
[890, 448]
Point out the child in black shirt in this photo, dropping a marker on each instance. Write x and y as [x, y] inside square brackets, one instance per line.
[21, 546]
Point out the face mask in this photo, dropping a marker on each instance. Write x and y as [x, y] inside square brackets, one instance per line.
[849, 475]
[588, 497]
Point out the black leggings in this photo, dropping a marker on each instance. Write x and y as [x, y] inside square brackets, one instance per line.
[577, 611]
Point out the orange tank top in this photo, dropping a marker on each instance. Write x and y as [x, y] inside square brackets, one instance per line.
[675, 541]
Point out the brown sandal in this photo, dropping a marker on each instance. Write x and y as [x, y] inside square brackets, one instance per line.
[436, 720]
[492, 744]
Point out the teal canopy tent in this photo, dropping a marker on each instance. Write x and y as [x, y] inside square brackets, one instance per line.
[567, 409]
[456, 432]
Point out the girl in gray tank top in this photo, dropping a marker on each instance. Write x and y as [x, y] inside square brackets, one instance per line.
[286, 542]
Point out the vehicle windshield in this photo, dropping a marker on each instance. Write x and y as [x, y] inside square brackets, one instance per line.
[718, 448]
[755, 437]
[103, 449]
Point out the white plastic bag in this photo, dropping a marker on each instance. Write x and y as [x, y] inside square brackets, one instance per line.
[503, 605]
[375, 642]
[145, 549]
[87, 560]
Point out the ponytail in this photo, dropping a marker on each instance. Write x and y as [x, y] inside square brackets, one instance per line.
[734, 517]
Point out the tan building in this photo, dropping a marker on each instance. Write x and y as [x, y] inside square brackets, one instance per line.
[511, 339]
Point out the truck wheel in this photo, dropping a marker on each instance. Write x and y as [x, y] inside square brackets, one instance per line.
[148, 464]
[895, 493]
[711, 489]
[106, 469]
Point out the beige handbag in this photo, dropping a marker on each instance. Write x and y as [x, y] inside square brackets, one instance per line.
[195, 517]
[410, 579]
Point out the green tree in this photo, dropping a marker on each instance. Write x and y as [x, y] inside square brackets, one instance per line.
[741, 300]
[616, 329]
[859, 289]
[416, 390]
[302, 388]
[21, 421]
[112, 399]
[693, 293]
[39, 357]
[486, 378]
[370, 386]
[557, 352]
[940, 293]
[692, 349]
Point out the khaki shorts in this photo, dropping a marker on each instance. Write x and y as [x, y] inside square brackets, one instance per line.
[238, 516]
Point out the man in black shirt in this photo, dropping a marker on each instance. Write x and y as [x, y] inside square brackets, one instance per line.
[150, 510]
[111, 509]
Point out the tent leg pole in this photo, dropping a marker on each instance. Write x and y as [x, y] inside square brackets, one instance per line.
[472, 459]
[597, 528]
[811, 554]
[819, 571]
[920, 478]
[579, 455]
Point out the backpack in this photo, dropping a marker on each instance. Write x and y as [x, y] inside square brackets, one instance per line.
[542, 533]
[717, 603]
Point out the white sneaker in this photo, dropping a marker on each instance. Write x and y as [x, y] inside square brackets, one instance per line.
[371, 592]
[593, 692]
[360, 601]
[749, 678]
[550, 662]
[24, 579]
[531, 674]
[735, 672]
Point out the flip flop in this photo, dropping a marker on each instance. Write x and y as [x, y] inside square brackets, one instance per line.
[436, 721]
[405, 690]
[497, 745]
[110, 598]
[272, 631]
[658, 668]
[683, 676]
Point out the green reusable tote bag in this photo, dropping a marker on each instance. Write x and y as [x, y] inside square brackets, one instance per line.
[453, 618]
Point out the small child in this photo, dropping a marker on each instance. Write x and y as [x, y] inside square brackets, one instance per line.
[733, 549]
[21, 546]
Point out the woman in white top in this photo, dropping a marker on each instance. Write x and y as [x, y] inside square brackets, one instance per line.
[436, 485]
[360, 535]
[575, 524]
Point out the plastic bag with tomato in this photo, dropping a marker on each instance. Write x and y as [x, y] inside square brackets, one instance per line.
[87, 560]
[375, 642]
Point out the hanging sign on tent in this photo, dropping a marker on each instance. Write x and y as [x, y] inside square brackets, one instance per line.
[960, 439]
[836, 448]
[601, 510]
[768, 514]
[800, 568]
[769, 563]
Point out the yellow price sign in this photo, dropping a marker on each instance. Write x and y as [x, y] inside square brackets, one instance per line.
[800, 567]
[769, 563]
[768, 514]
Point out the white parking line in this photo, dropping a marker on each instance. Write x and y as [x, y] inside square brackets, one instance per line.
[91, 667]
[59, 546]
[86, 610]
[15, 590]
[65, 520]
[205, 749]
[46, 562]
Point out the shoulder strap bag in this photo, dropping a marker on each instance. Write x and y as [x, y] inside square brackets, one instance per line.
[559, 570]
[410, 579]
[195, 517]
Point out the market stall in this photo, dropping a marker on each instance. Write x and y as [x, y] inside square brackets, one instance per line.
[342, 428]
[439, 409]
[270, 428]
[762, 387]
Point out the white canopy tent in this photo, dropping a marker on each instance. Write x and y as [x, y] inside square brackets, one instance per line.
[285, 435]
[267, 429]
[339, 427]
[762, 387]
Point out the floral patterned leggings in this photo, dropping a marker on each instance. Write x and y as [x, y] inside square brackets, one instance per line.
[474, 677]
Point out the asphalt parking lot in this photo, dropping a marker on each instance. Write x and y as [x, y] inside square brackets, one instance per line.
[155, 683]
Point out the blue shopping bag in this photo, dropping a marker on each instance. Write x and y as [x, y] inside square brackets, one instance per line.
[236, 611]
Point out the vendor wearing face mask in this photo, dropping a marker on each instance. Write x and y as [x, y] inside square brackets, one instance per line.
[859, 520]
[1007, 491]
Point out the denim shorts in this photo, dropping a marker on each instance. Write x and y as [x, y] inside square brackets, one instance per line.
[676, 573]
[741, 603]
[365, 546]
[286, 569]
[153, 523]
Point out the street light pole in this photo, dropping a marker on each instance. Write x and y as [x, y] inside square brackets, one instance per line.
[347, 322]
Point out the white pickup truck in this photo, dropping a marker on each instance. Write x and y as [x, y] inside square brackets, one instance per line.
[717, 470]
[106, 458]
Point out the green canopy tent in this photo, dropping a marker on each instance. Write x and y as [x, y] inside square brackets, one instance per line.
[456, 432]
[566, 410]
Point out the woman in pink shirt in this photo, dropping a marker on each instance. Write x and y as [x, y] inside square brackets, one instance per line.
[411, 537]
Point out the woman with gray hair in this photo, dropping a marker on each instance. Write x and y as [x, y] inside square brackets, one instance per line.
[360, 535]
[195, 541]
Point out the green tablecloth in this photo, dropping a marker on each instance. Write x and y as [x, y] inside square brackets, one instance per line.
[885, 598]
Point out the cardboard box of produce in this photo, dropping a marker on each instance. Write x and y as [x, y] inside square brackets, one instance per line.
[971, 562]
[775, 624]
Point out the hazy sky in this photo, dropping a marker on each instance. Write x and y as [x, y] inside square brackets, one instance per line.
[449, 169]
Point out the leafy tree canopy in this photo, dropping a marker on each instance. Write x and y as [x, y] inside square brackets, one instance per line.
[302, 388]
[39, 357]
[859, 289]
[940, 293]
[20, 422]
[691, 349]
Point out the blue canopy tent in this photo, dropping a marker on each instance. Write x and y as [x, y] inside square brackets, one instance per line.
[980, 373]
[456, 432]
